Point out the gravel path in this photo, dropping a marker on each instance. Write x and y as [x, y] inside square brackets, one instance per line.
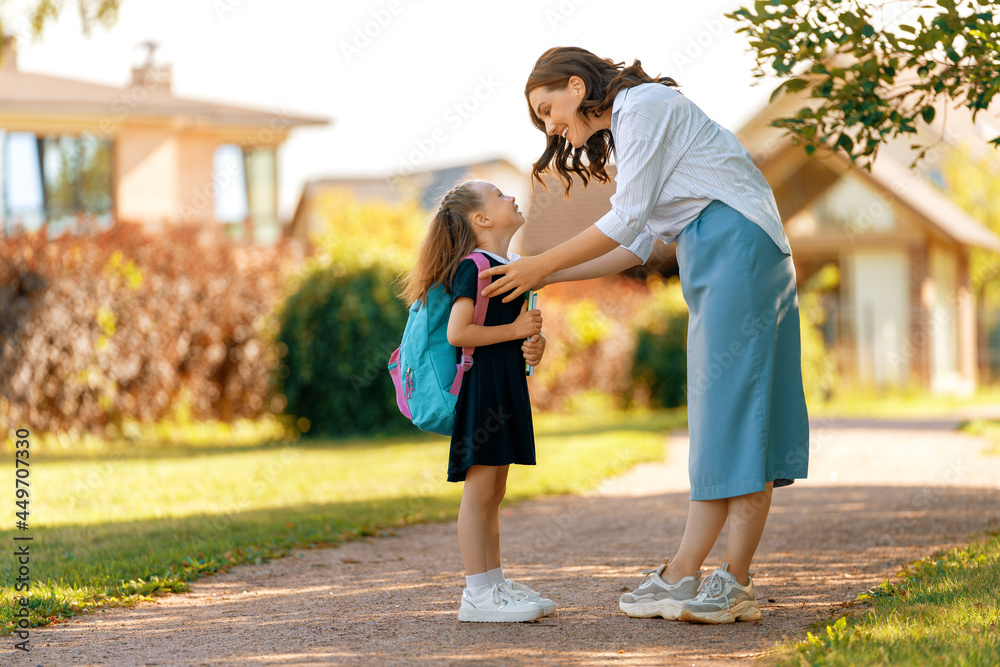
[879, 496]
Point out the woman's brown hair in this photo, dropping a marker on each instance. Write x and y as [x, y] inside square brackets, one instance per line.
[450, 238]
[604, 79]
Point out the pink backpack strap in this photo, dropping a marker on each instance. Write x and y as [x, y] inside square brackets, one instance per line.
[478, 317]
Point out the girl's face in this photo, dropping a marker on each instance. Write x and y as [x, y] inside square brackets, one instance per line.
[501, 209]
[558, 109]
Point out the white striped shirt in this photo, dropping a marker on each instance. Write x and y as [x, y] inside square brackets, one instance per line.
[673, 161]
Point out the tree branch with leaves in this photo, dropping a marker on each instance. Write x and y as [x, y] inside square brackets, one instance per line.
[27, 21]
[873, 68]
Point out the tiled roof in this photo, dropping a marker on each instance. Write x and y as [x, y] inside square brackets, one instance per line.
[551, 219]
[932, 204]
[41, 94]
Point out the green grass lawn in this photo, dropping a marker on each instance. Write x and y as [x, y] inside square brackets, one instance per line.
[119, 522]
[943, 610]
[900, 404]
[989, 430]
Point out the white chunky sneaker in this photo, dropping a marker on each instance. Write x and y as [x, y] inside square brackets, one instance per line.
[520, 591]
[722, 600]
[655, 597]
[496, 605]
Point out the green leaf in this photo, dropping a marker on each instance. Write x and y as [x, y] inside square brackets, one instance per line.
[777, 91]
[845, 142]
[795, 85]
[850, 20]
[789, 86]
[927, 114]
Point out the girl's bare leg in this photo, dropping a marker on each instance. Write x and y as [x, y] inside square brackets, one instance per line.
[492, 545]
[474, 524]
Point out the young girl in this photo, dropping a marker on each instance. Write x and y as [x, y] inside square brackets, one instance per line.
[493, 416]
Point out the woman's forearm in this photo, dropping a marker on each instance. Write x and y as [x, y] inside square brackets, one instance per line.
[589, 244]
[530, 272]
[608, 264]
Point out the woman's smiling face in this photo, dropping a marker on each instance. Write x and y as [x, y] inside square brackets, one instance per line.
[558, 109]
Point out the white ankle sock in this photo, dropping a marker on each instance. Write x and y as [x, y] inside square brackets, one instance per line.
[477, 584]
[496, 575]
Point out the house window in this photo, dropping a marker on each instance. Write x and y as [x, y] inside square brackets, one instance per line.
[20, 167]
[247, 195]
[262, 185]
[850, 206]
[231, 194]
[76, 183]
[95, 180]
[55, 181]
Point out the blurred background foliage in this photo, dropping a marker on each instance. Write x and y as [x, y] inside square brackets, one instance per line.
[972, 179]
[124, 324]
[106, 331]
[659, 370]
[342, 317]
[819, 367]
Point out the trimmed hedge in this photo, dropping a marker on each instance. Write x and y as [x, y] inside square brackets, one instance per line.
[337, 332]
[659, 367]
[126, 324]
[660, 364]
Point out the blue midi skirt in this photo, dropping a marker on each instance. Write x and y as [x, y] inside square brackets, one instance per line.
[746, 408]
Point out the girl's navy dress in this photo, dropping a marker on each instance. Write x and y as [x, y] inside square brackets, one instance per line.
[493, 416]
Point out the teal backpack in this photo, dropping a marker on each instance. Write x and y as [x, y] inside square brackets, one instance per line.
[423, 367]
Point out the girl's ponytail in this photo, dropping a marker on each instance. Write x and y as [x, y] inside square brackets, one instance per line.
[449, 239]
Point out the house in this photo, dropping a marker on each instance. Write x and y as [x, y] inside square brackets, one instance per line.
[551, 219]
[426, 187]
[72, 150]
[904, 309]
[903, 313]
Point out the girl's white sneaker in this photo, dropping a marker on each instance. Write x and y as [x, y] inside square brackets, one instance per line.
[497, 605]
[531, 595]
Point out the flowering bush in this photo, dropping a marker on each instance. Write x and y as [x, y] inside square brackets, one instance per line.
[589, 329]
[122, 323]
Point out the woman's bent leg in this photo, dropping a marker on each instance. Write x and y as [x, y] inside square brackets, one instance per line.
[704, 523]
[747, 516]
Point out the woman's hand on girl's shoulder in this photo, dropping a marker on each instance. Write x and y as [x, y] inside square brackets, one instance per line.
[518, 277]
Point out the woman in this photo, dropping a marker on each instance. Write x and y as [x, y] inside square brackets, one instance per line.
[681, 177]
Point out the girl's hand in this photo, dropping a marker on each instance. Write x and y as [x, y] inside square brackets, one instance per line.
[533, 349]
[528, 323]
[520, 276]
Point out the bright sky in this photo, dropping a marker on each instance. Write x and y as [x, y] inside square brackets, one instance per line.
[407, 83]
